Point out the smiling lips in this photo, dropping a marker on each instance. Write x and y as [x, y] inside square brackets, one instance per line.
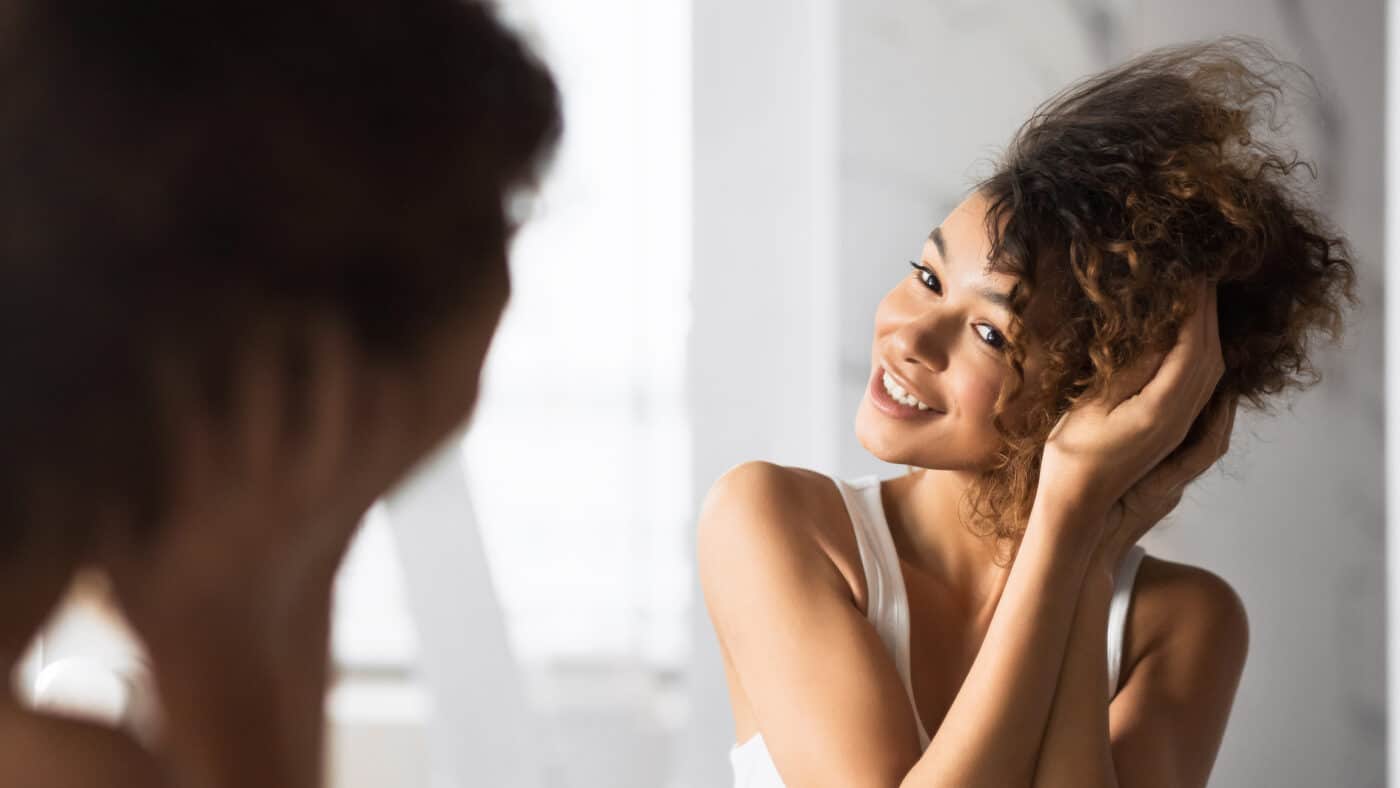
[890, 397]
[898, 394]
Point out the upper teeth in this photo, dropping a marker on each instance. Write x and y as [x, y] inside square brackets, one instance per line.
[898, 394]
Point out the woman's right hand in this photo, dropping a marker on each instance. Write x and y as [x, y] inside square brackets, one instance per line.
[1103, 446]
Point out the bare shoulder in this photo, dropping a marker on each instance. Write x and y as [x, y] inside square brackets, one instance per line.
[763, 496]
[764, 485]
[1186, 644]
[1190, 614]
[760, 509]
[51, 752]
[798, 652]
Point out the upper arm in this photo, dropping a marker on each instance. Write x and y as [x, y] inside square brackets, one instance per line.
[1169, 718]
[827, 699]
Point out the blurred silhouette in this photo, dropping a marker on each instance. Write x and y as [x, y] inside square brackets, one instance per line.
[252, 258]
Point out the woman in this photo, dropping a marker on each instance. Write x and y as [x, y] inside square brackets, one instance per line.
[1062, 360]
[253, 256]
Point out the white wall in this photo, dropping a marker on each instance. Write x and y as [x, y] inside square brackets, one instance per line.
[1392, 382]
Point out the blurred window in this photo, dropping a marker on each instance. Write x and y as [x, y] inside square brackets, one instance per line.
[577, 456]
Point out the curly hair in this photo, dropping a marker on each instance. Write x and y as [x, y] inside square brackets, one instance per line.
[1120, 196]
[173, 172]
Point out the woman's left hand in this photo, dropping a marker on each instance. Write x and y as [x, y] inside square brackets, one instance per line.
[1154, 496]
[1106, 444]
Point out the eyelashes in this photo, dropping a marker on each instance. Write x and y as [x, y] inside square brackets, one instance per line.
[992, 337]
[928, 277]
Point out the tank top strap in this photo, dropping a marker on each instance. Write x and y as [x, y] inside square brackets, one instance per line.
[1123, 581]
[887, 601]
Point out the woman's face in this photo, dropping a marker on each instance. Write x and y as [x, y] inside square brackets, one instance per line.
[937, 362]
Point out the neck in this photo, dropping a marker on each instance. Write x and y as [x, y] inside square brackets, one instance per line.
[929, 518]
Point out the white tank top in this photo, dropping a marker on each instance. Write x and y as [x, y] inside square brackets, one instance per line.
[888, 610]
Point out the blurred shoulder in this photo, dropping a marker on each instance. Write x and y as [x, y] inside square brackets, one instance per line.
[45, 751]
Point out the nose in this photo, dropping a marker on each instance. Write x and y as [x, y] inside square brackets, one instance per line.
[925, 340]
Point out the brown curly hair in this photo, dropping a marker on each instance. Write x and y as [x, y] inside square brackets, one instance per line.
[1120, 196]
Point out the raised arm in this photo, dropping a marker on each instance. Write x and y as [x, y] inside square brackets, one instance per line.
[1165, 725]
[232, 594]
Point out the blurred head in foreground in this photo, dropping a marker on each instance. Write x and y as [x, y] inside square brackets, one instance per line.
[183, 183]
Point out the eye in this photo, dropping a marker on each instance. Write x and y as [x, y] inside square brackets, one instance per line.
[990, 335]
[928, 277]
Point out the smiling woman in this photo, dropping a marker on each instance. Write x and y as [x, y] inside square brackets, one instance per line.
[1063, 359]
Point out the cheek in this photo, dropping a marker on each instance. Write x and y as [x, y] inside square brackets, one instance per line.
[478, 336]
[892, 311]
[451, 375]
[976, 394]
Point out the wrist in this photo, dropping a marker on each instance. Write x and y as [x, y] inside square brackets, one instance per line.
[1073, 493]
[1073, 521]
[1103, 571]
[245, 709]
[1062, 536]
[254, 612]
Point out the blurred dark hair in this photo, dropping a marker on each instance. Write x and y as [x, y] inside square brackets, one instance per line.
[1123, 194]
[171, 172]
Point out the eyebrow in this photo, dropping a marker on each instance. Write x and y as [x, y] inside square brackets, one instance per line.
[936, 235]
[996, 298]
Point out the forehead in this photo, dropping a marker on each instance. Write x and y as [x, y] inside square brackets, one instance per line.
[966, 245]
[967, 250]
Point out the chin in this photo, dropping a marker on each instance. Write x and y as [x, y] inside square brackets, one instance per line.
[888, 442]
